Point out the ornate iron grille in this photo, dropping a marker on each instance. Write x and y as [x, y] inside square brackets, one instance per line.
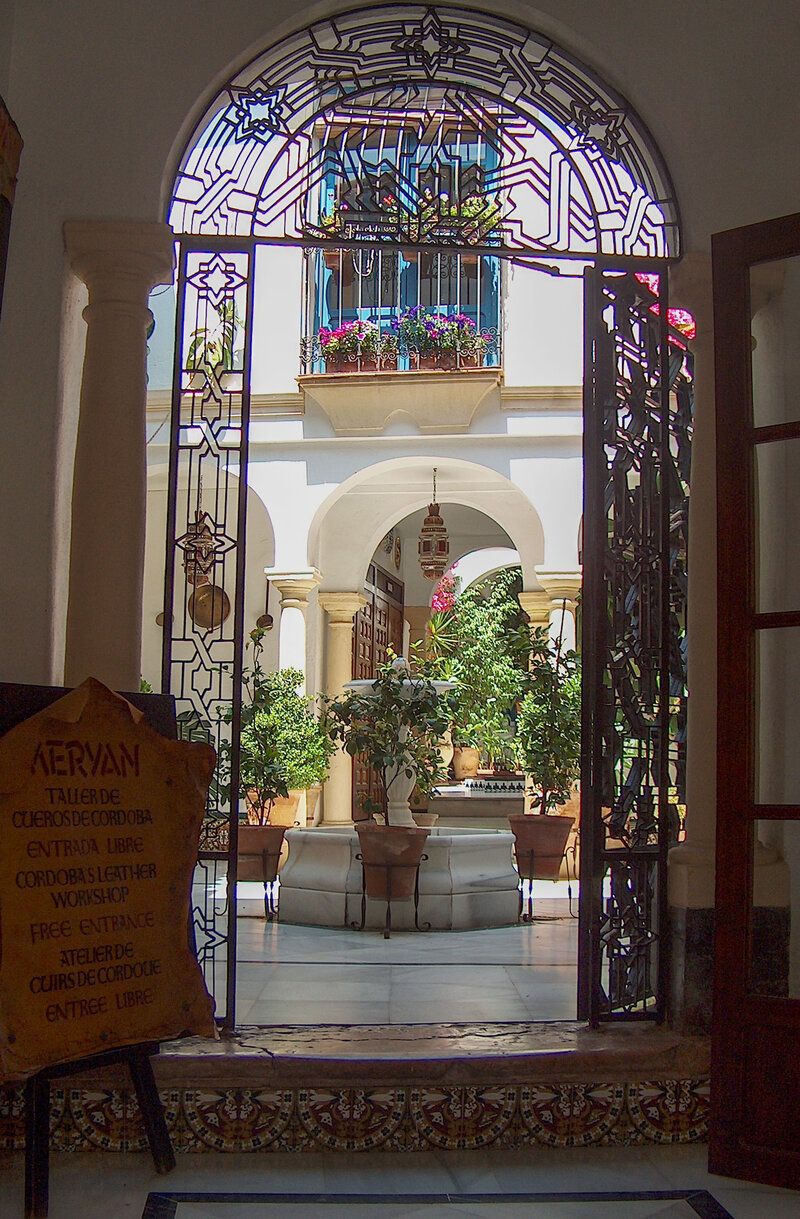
[489, 136]
[638, 419]
[203, 604]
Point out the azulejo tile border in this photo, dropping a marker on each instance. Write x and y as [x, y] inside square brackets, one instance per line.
[388, 1118]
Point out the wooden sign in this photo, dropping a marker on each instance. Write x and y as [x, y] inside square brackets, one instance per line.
[99, 824]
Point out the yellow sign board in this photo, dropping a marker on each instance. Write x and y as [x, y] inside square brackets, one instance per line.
[99, 824]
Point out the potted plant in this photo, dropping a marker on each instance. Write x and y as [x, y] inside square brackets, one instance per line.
[356, 346]
[283, 750]
[439, 340]
[548, 742]
[393, 721]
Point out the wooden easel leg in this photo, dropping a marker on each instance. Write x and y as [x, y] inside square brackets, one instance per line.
[141, 1070]
[37, 1147]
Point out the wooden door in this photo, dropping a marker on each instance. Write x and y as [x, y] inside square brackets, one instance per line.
[378, 627]
[755, 1130]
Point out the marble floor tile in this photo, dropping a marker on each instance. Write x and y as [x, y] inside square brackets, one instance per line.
[301, 1010]
[496, 974]
[111, 1186]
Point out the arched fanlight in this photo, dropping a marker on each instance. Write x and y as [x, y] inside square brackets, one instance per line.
[434, 544]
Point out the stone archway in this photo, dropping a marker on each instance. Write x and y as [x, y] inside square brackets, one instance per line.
[578, 179]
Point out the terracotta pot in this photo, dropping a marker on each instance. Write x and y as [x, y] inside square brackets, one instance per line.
[426, 818]
[466, 760]
[262, 852]
[312, 800]
[539, 844]
[284, 809]
[391, 855]
[344, 364]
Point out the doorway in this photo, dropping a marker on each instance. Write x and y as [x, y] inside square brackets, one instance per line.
[439, 204]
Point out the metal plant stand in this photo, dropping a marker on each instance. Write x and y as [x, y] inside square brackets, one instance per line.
[390, 896]
[269, 865]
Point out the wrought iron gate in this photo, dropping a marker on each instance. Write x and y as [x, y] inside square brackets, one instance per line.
[203, 648]
[637, 431]
[417, 148]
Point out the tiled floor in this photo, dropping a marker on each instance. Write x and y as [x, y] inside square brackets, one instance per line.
[309, 975]
[104, 1186]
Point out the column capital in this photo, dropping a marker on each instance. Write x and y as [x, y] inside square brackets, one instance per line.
[561, 585]
[120, 261]
[536, 604]
[294, 586]
[342, 608]
[690, 288]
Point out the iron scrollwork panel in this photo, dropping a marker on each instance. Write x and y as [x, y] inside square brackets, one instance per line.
[203, 609]
[638, 444]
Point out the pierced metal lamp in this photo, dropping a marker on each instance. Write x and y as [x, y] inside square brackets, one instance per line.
[434, 544]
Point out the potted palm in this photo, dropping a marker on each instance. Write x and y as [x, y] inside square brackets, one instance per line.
[394, 722]
[477, 640]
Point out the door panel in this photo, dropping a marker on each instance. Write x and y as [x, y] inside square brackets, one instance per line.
[756, 1021]
[378, 627]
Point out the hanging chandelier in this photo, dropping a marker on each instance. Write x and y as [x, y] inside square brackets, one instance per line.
[434, 544]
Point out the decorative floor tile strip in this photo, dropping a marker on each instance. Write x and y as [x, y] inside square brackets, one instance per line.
[365, 1119]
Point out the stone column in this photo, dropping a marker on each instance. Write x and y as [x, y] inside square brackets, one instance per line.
[417, 618]
[563, 588]
[537, 605]
[294, 588]
[120, 262]
[341, 609]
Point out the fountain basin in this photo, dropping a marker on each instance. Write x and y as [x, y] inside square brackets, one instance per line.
[468, 881]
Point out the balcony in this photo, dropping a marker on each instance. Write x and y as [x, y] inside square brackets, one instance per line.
[361, 403]
[377, 310]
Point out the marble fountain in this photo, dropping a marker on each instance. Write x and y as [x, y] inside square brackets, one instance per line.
[467, 881]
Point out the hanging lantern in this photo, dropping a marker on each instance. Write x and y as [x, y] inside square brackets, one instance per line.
[199, 549]
[434, 544]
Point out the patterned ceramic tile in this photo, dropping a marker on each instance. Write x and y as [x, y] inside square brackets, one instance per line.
[12, 1118]
[574, 1115]
[351, 1119]
[365, 1119]
[239, 1119]
[462, 1118]
[671, 1111]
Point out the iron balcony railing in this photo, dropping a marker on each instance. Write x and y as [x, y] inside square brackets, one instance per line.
[374, 309]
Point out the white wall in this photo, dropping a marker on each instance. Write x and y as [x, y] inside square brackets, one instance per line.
[105, 95]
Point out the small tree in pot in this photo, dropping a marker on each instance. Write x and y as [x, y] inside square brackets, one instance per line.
[548, 728]
[394, 722]
[548, 745]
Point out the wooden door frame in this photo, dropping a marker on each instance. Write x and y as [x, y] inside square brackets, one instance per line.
[740, 1017]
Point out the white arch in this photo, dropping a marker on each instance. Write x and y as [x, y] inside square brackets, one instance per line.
[480, 563]
[350, 523]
